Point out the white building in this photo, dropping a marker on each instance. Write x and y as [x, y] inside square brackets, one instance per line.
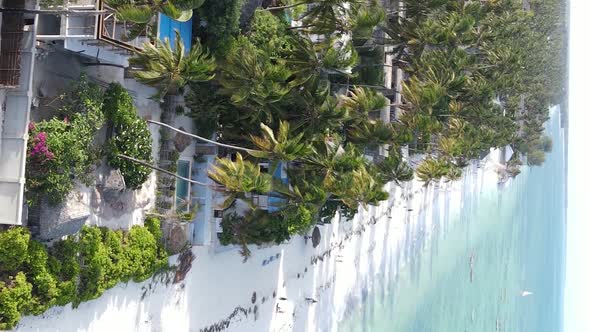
[17, 55]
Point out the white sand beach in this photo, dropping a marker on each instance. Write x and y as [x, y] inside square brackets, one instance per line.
[217, 293]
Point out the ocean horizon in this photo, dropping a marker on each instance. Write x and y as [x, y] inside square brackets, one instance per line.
[470, 275]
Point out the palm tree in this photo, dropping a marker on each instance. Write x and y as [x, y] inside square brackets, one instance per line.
[313, 109]
[324, 17]
[364, 20]
[360, 128]
[343, 173]
[356, 187]
[254, 80]
[393, 168]
[282, 147]
[144, 11]
[363, 100]
[169, 69]
[330, 157]
[431, 169]
[435, 169]
[239, 177]
[371, 133]
[310, 61]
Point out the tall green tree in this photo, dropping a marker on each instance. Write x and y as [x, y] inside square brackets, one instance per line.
[170, 68]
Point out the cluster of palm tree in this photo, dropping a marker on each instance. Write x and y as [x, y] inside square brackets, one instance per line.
[469, 63]
[479, 75]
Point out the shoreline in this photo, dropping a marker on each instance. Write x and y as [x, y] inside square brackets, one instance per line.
[217, 293]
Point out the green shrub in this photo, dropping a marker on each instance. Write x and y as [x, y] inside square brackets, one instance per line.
[95, 263]
[223, 23]
[61, 150]
[73, 271]
[153, 226]
[65, 255]
[113, 241]
[45, 288]
[14, 244]
[64, 265]
[132, 136]
[67, 292]
[15, 296]
[257, 227]
[535, 157]
[45, 293]
[82, 97]
[141, 254]
[118, 105]
[135, 141]
[269, 33]
[206, 105]
[298, 219]
[547, 144]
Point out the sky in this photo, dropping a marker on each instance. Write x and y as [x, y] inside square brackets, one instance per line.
[577, 282]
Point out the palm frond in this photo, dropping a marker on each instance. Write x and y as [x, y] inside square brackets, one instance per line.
[135, 14]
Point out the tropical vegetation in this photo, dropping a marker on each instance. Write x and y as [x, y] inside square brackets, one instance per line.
[65, 150]
[299, 86]
[131, 136]
[477, 75]
[171, 68]
[81, 267]
[61, 150]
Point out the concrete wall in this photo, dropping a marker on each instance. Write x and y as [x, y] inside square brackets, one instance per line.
[14, 134]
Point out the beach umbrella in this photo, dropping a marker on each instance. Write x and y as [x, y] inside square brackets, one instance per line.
[316, 236]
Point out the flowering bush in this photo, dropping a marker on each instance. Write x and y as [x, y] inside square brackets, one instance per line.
[39, 149]
[61, 150]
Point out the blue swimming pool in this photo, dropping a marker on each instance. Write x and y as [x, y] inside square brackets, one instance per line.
[167, 26]
[183, 169]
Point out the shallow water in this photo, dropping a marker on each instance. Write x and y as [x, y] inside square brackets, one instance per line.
[512, 239]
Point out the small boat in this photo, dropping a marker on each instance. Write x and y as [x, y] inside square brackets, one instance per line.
[526, 293]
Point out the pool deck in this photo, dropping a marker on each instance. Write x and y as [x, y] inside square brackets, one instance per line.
[202, 228]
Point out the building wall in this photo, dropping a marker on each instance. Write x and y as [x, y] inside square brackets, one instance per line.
[14, 134]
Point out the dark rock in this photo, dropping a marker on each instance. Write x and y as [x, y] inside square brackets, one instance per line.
[113, 186]
[181, 141]
[63, 219]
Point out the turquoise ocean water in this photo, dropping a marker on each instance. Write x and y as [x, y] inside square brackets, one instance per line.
[516, 236]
